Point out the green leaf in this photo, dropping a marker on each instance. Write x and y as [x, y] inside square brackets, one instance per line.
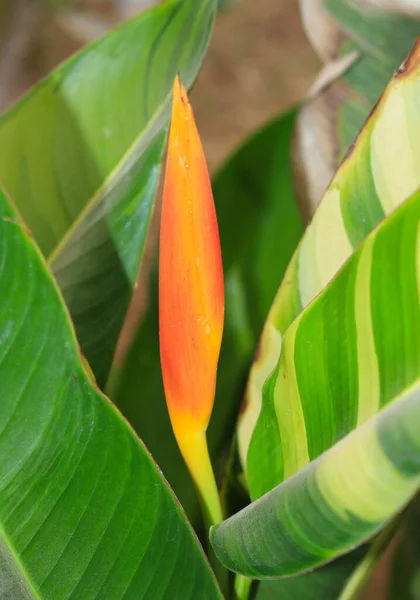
[84, 510]
[378, 39]
[377, 175]
[383, 40]
[380, 33]
[341, 579]
[259, 228]
[138, 392]
[326, 582]
[81, 157]
[254, 195]
[354, 352]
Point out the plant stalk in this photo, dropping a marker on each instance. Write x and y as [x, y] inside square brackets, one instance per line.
[242, 587]
[194, 449]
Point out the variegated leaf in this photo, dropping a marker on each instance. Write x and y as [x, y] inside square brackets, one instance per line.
[379, 173]
[354, 353]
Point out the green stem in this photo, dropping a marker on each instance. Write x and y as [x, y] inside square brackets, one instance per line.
[194, 449]
[213, 514]
[242, 587]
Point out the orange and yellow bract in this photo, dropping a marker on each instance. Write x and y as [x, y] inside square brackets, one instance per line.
[191, 297]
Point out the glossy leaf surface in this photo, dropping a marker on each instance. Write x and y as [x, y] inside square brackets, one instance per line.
[359, 339]
[378, 174]
[81, 156]
[84, 511]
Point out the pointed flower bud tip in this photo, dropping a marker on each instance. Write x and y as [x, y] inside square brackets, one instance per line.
[191, 298]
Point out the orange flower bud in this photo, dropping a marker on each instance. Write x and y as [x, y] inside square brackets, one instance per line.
[191, 297]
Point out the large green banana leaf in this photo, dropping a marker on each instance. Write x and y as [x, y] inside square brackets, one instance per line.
[84, 511]
[378, 174]
[259, 228]
[354, 352]
[255, 260]
[81, 157]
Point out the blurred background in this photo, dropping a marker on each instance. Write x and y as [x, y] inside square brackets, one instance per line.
[259, 62]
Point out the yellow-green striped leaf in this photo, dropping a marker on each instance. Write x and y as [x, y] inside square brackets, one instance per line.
[338, 367]
[378, 174]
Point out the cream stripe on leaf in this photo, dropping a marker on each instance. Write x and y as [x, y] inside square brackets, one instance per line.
[332, 505]
[289, 411]
[418, 261]
[395, 146]
[266, 360]
[369, 384]
[370, 487]
[378, 174]
[325, 249]
[360, 476]
[276, 447]
[333, 247]
[309, 277]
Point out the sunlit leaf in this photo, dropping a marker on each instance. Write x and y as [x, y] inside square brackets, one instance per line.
[359, 339]
[84, 511]
[378, 174]
[81, 156]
